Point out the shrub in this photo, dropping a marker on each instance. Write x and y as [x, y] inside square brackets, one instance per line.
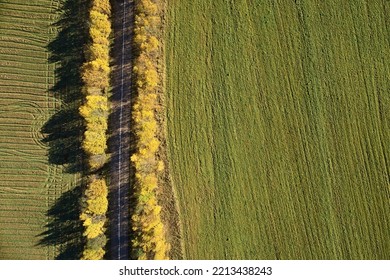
[96, 161]
[97, 243]
[93, 254]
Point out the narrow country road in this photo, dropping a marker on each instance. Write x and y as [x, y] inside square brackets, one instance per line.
[119, 130]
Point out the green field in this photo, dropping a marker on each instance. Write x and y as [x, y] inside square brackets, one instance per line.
[279, 127]
[29, 185]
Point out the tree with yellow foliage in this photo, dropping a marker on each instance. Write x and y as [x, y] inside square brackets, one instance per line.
[94, 215]
[95, 75]
[101, 6]
[149, 241]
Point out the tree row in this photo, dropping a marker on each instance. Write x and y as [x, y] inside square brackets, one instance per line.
[95, 75]
[149, 238]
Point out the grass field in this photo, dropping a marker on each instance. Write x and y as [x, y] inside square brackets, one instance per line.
[29, 185]
[279, 127]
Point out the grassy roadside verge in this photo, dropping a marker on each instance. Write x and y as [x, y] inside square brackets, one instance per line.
[168, 196]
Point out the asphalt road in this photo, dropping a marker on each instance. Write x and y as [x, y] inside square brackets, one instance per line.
[119, 129]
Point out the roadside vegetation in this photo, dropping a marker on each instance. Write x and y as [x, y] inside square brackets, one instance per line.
[95, 75]
[149, 236]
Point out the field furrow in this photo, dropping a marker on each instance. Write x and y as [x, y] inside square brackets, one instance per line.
[278, 127]
[29, 185]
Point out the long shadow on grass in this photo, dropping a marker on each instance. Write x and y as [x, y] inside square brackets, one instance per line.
[63, 131]
[64, 227]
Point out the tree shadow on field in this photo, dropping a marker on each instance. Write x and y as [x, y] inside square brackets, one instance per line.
[64, 226]
[63, 132]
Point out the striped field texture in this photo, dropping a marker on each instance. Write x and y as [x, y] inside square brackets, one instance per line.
[279, 127]
[28, 184]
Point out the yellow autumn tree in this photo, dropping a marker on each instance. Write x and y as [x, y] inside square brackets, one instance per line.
[94, 215]
[149, 241]
[101, 6]
[95, 75]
